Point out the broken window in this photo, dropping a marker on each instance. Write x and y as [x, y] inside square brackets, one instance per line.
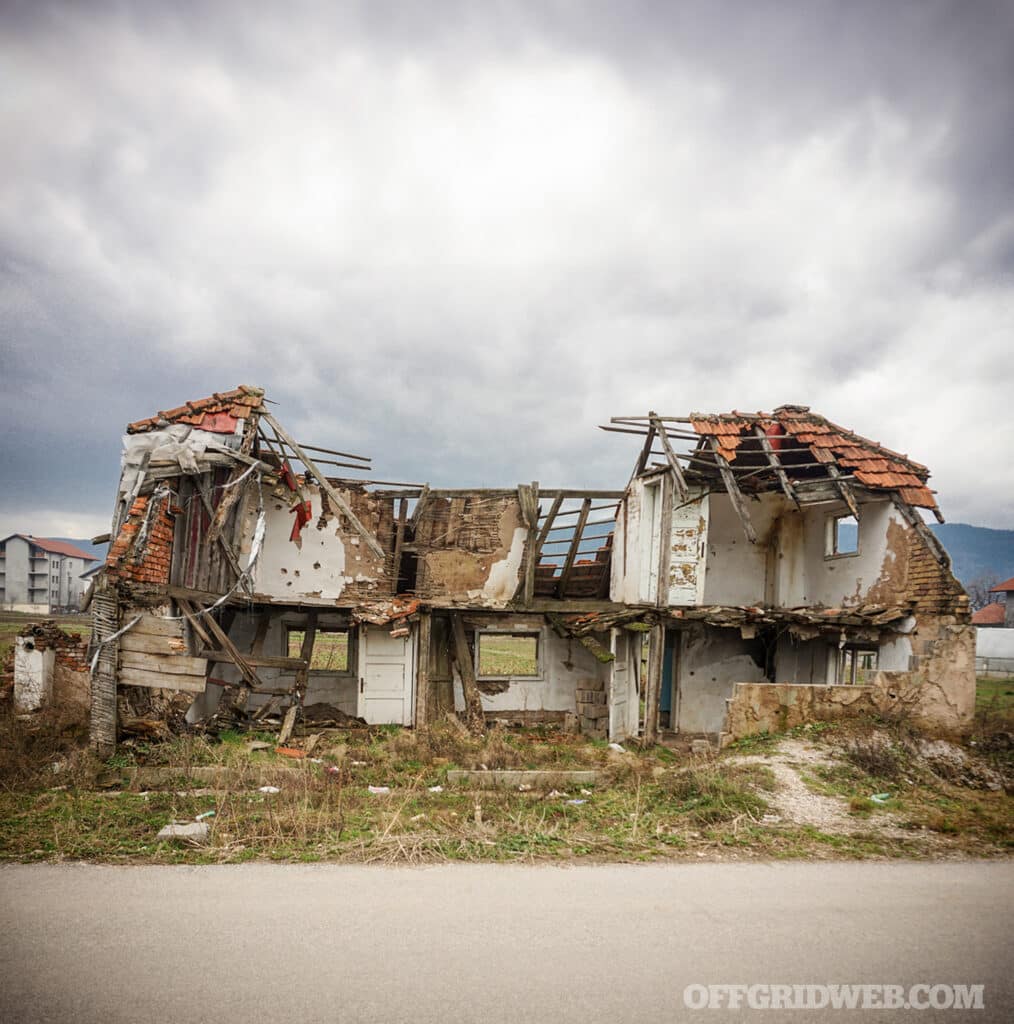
[858, 664]
[506, 654]
[331, 648]
[842, 536]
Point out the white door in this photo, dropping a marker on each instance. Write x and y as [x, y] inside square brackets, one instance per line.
[385, 676]
[623, 700]
[689, 546]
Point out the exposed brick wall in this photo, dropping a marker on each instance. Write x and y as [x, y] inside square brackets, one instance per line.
[69, 648]
[932, 585]
[151, 562]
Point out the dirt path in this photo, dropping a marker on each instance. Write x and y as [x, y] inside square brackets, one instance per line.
[793, 800]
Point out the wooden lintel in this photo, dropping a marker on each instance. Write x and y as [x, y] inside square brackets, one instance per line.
[258, 660]
[735, 494]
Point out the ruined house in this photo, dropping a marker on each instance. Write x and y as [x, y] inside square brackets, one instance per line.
[720, 592]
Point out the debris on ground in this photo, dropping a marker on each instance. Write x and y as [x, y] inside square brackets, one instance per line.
[190, 831]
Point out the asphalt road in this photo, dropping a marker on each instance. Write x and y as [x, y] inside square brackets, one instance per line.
[303, 944]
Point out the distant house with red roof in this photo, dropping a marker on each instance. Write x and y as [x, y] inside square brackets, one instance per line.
[992, 615]
[1006, 606]
[41, 575]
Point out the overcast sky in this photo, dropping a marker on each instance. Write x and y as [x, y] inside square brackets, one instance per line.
[459, 236]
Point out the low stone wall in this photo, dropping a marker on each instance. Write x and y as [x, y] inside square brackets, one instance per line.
[776, 707]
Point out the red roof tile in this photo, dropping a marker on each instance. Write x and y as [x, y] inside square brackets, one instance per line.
[869, 462]
[1003, 588]
[217, 413]
[55, 547]
[992, 615]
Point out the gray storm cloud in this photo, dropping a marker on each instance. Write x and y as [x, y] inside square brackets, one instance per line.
[458, 237]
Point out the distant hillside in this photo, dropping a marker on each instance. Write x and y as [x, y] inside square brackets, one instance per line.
[97, 551]
[977, 551]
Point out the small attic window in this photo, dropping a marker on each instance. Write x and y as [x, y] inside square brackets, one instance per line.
[842, 537]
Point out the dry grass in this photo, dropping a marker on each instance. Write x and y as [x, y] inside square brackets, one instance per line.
[648, 804]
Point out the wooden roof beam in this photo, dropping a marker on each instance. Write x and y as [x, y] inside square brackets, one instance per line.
[735, 494]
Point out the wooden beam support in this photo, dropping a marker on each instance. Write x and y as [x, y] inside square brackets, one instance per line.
[679, 480]
[195, 624]
[735, 495]
[245, 670]
[302, 673]
[664, 547]
[653, 684]
[642, 460]
[399, 541]
[843, 489]
[335, 498]
[226, 547]
[776, 465]
[422, 674]
[420, 504]
[568, 565]
[256, 660]
[474, 718]
[531, 554]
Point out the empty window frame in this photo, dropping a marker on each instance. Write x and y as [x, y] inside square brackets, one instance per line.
[842, 536]
[500, 655]
[332, 648]
[857, 665]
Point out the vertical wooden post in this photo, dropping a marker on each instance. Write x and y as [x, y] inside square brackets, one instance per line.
[474, 718]
[422, 672]
[653, 686]
[665, 544]
[105, 622]
[531, 546]
[302, 674]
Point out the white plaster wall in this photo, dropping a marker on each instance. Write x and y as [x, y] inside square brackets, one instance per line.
[710, 663]
[994, 642]
[502, 581]
[314, 569]
[807, 577]
[624, 585]
[736, 571]
[564, 663]
[33, 675]
[895, 655]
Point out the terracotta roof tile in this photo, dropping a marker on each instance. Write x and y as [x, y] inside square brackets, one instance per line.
[869, 462]
[1003, 588]
[236, 404]
[992, 615]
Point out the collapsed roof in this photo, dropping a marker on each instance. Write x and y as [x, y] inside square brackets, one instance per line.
[791, 449]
